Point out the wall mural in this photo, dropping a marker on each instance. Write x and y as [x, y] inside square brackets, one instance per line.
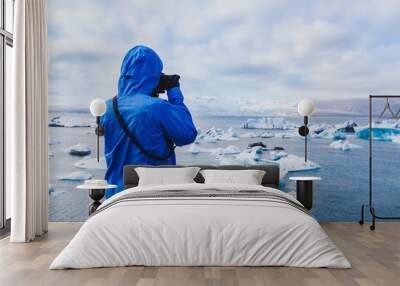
[243, 68]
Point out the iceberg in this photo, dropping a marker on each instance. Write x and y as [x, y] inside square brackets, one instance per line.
[71, 120]
[347, 127]
[293, 163]
[322, 131]
[257, 144]
[250, 135]
[285, 135]
[214, 132]
[217, 151]
[276, 155]
[231, 150]
[209, 139]
[339, 135]
[343, 145]
[268, 123]
[194, 149]
[379, 133]
[257, 149]
[79, 150]
[395, 139]
[387, 123]
[267, 135]
[91, 163]
[206, 136]
[213, 135]
[228, 137]
[244, 158]
[76, 176]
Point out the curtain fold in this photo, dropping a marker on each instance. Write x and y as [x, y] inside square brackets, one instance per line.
[28, 157]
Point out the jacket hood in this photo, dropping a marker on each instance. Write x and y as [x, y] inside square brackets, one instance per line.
[140, 72]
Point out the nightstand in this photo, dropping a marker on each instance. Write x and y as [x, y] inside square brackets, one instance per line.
[96, 193]
[304, 190]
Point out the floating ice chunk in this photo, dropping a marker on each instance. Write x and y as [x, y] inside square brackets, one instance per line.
[378, 133]
[257, 149]
[231, 150]
[253, 156]
[208, 136]
[213, 135]
[324, 131]
[276, 155]
[194, 149]
[76, 176]
[250, 135]
[267, 135]
[71, 120]
[293, 163]
[79, 150]
[255, 144]
[228, 137]
[91, 163]
[217, 151]
[51, 189]
[230, 130]
[268, 123]
[285, 135]
[386, 123]
[343, 145]
[210, 139]
[338, 135]
[396, 139]
[214, 132]
[244, 158]
[347, 127]
[51, 154]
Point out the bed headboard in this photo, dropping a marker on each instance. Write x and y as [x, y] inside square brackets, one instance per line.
[271, 177]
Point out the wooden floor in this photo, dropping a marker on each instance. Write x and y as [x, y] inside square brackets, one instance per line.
[375, 257]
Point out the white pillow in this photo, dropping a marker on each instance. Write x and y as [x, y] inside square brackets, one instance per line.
[166, 176]
[248, 177]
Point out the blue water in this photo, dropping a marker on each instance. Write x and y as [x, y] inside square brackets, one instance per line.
[338, 196]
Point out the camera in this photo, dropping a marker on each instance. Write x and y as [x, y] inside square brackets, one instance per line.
[166, 82]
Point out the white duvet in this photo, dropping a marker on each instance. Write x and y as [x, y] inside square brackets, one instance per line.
[200, 231]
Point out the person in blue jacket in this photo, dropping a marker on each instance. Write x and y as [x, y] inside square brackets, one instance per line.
[156, 124]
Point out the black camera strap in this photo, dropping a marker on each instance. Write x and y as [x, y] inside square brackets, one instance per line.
[133, 139]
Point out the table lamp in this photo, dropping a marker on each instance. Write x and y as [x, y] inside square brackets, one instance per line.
[305, 108]
[97, 108]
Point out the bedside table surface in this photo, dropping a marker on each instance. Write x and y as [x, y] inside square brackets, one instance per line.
[86, 187]
[305, 178]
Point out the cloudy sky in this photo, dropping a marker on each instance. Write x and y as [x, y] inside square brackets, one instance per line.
[236, 56]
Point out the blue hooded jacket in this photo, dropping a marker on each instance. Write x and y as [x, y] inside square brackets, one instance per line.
[151, 120]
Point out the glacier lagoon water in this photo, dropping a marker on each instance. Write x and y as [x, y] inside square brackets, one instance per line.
[344, 185]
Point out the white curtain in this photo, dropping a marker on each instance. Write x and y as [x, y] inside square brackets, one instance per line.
[27, 123]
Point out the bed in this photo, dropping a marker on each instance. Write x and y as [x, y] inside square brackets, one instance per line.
[199, 224]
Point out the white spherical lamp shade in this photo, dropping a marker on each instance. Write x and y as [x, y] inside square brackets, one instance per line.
[98, 107]
[305, 107]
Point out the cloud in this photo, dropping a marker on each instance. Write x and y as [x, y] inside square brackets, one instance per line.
[269, 52]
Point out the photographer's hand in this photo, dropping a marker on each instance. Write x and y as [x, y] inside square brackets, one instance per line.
[175, 95]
